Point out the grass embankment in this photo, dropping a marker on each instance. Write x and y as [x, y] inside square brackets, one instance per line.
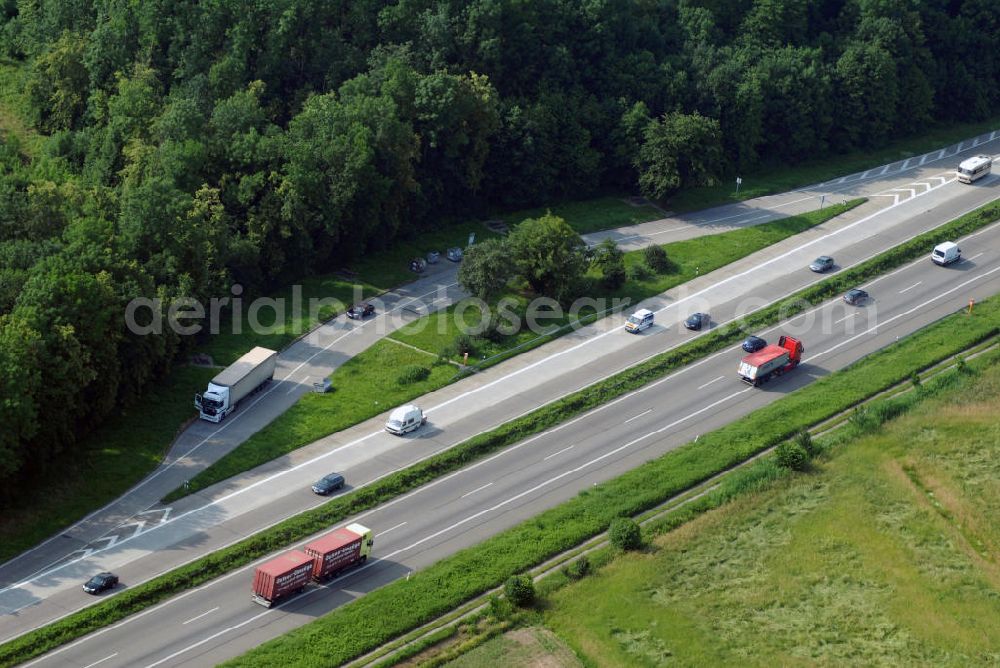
[108, 462]
[401, 606]
[884, 554]
[767, 181]
[368, 383]
[306, 524]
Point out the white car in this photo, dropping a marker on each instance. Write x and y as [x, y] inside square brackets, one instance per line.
[405, 419]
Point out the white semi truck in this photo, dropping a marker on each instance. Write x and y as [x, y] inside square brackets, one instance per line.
[239, 380]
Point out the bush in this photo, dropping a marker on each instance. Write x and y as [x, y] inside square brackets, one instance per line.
[412, 373]
[500, 608]
[624, 534]
[446, 353]
[792, 456]
[614, 277]
[638, 272]
[578, 569]
[520, 590]
[465, 344]
[656, 259]
[915, 379]
[804, 440]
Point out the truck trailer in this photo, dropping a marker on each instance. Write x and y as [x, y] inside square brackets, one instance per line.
[281, 576]
[339, 550]
[237, 381]
[770, 361]
[319, 560]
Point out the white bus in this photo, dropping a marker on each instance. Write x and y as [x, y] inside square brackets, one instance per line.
[974, 168]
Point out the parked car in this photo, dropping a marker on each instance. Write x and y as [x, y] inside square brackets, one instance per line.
[455, 254]
[418, 264]
[697, 321]
[856, 297]
[433, 257]
[360, 311]
[328, 483]
[100, 582]
[753, 343]
[822, 263]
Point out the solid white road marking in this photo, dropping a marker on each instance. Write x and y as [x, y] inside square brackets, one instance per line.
[478, 489]
[846, 317]
[911, 287]
[200, 616]
[90, 665]
[636, 417]
[556, 454]
[382, 533]
[702, 387]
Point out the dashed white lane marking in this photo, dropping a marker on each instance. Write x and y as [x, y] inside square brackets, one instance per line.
[90, 665]
[478, 489]
[556, 454]
[382, 533]
[636, 417]
[194, 619]
[910, 288]
[714, 380]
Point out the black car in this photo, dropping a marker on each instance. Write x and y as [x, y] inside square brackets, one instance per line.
[360, 311]
[697, 321]
[100, 582]
[856, 297]
[753, 344]
[822, 263]
[328, 483]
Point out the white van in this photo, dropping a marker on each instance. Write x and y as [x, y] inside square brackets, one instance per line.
[638, 321]
[405, 419]
[946, 253]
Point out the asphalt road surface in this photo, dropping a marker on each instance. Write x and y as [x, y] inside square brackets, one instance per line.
[907, 199]
[46, 581]
[219, 621]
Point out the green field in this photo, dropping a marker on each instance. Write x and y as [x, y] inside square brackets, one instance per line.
[884, 554]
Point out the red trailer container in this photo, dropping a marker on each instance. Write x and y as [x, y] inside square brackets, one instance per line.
[334, 552]
[281, 576]
[760, 366]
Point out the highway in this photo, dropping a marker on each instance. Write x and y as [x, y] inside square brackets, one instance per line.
[219, 621]
[248, 503]
[318, 354]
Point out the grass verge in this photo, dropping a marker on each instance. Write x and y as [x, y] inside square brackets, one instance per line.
[933, 344]
[880, 555]
[396, 608]
[368, 383]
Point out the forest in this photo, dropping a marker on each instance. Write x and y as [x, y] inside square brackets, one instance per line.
[183, 146]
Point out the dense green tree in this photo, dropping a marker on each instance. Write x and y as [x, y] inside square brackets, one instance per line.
[549, 254]
[867, 91]
[679, 150]
[486, 269]
[58, 84]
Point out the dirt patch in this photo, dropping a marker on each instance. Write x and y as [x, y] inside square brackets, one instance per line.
[540, 648]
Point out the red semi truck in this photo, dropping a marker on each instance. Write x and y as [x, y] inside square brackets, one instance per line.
[321, 559]
[338, 550]
[759, 367]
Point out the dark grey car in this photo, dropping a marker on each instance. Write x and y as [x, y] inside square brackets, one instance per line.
[328, 483]
[822, 263]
